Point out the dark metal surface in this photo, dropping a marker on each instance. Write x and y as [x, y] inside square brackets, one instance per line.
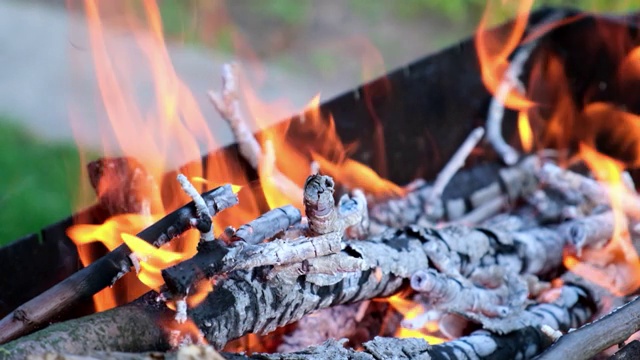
[405, 124]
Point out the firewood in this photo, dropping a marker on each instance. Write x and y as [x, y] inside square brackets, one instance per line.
[629, 351]
[327, 224]
[103, 272]
[572, 308]
[577, 185]
[244, 302]
[267, 225]
[511, 184]
[454, 164]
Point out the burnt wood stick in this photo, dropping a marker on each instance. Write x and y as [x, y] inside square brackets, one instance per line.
[327, 223]
[630, 351]
[268, 225]
[104, 271]
[593, 338]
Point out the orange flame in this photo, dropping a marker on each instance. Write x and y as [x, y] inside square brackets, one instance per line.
[410, 311]
[169, 129]
[495, 47]
[619, 256]
[524, 129]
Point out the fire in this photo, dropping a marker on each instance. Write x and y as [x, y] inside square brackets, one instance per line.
[618, 260]
[524, 129]
[186, 333]
[169, 129]
[152, 260]
[412, 311]
[494, 48]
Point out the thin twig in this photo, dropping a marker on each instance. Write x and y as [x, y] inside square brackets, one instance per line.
[455, 163]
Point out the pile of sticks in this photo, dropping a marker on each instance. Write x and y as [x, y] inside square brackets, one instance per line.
[486, 264]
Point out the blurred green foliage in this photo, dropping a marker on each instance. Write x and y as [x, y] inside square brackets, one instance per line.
[179, 15]
[39, 181]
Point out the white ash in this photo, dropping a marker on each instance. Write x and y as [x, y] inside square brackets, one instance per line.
[550, 332]
[181, 311]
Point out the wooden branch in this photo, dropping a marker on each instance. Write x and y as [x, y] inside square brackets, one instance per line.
[495, 114]
[244, 302]
[593, 338]
[510, 81]
[630, 351]
[103, 272]
[227, 103]
[133, 327]
[498, 307]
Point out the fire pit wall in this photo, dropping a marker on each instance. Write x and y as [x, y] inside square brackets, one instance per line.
[405, 124]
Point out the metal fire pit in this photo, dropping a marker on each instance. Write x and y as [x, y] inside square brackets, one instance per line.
[425, 109]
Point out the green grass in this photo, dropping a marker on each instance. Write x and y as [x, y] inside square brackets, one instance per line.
[39, 181]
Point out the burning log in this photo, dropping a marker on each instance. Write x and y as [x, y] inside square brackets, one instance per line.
[107, 269]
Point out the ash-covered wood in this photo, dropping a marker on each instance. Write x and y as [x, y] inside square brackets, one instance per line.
[268, 225]
[506, 293]
[324, 216]
[589, 232]
[103, 272]
[511, 184]
[572, 307]
[133, 327]
[579, 186]
[326, 224]
[227, 103]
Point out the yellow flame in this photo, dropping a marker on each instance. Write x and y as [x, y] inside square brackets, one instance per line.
[524, 129]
